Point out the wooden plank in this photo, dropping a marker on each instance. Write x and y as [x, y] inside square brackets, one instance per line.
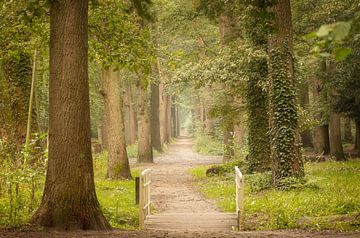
[192, 221]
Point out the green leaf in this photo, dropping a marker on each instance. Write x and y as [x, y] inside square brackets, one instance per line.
[341, 53]
[324, 30]
[341, 30]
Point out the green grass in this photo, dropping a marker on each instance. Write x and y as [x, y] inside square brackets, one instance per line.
[116, 198]
[331, 202]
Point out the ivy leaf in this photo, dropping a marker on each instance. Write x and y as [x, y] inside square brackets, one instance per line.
[341, 53]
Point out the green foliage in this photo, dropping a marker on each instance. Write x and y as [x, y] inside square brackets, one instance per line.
[283, 116]
[328, 200]
[21, 179]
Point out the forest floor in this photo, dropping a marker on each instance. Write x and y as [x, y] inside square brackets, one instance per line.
[174, 191]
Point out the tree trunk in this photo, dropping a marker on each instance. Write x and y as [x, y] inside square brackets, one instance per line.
[285, 151]
[14, 99]
[173, 119]
[348, 138]
[357, 138]
[168, 118]
[228, 140]
[306, 136]
[162, 113]
[321, 132]
[239, 133]
[144, 137]
[155, 120]
[177, 121]
[104, 132]
[69, 200]
[129, 116]
[336, 148]
[118, 164]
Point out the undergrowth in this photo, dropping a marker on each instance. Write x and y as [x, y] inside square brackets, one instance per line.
[328, 198]
[21, 189]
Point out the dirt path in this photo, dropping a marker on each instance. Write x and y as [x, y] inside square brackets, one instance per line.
[172, 188]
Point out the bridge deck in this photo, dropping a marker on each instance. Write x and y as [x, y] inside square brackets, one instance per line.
[192, 221]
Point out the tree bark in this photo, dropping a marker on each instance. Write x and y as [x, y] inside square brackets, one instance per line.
[336, 148]
[306, 136]
[145, 154]
[104, 132]
[118, 164]
[357, 138]
[347, 131]
[228, 140]
[168, 118]
[155, 117]
[69, 200]
[173, 119]
[285, 151]
[129, 116]
[321, 132]
[162, 114]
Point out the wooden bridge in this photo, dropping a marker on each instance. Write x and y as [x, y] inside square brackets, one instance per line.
[214, 221]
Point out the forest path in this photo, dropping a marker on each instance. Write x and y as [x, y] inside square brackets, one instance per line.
[179, 205]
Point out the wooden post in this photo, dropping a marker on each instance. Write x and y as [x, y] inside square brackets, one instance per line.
[137, 189]
[239, 183]
[141, 204]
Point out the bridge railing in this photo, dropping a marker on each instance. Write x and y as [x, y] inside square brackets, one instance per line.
[144, 196]
[239, 181]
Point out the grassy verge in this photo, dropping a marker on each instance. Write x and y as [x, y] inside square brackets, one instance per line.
[116, 198]
[330, 201]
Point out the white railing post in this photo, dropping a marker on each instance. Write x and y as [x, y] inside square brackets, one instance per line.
[239, 181]
[144, 196]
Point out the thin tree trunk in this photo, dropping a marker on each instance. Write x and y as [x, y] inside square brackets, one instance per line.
[321, 132]
[168, 119]
[173, 119]
[129, 116]
[155, 120]
[306, 136]
[69, 199]
[144, 144]
[228, 140]
[336, 148]
[104, 132]
[357, 138]
[347, 131]
[162, 114]
[118, 164]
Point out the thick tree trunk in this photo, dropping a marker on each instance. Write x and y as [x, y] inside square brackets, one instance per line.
[155, 117]
[118, 163]
[285, 151]
[348, 138]
[145, 154]
[228, 140]
[69, 201]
